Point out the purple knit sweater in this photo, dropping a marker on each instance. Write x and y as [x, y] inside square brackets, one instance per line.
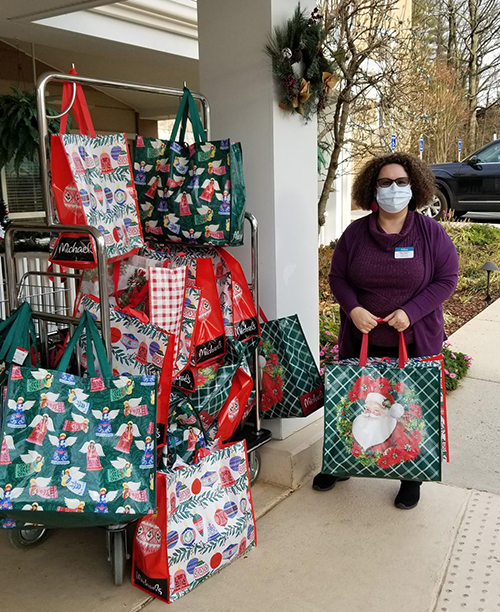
[374, 266]
[424, 303]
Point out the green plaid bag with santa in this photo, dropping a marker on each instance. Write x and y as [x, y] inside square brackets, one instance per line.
[383, 418]
[291, 382]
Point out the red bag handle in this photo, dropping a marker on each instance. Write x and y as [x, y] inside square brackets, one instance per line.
[80, 108]
[403, 352]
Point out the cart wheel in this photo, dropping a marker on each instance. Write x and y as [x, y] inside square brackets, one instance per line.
[254, 465]
[27, 538]
[118, 555]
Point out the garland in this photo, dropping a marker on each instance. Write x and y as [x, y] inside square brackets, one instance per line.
[305, 75]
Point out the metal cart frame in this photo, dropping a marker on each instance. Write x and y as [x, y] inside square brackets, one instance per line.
[254, 434]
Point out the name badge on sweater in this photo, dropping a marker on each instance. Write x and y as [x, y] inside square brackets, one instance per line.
[404, 253]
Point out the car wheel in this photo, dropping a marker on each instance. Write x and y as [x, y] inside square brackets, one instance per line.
[437, 207]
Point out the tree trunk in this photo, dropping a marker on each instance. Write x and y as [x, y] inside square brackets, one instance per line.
[439, 34]
[451, 51]
[340, 120]
[473, 67]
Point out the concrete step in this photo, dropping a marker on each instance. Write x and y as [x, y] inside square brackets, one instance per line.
[287, 463]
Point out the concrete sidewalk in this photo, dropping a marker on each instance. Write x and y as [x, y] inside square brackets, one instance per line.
[346, 550]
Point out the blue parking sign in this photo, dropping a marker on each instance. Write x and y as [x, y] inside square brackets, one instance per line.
[421, 144]
[393, 142]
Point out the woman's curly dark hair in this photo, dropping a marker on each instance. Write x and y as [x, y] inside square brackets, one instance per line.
[422, 180]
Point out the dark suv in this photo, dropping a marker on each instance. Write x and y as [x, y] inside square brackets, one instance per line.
[472, 185]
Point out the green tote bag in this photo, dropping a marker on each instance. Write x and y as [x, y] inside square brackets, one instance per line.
[193, 194]
[383, 418]
[291, 382]
[79, 451]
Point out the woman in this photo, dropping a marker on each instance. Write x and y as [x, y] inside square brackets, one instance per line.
[395, 265]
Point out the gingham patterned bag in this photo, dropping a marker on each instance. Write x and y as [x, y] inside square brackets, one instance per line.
[167, 295]
[383, 419]
[174, 307]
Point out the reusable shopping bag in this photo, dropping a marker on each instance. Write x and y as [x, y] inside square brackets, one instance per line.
[209, 341]
[209, 386]
[245, 320]
[174, 307]
[383, 418]
[190, 193]
[83, 449]
[291, 382]
[17, 341]
[138, 348]
[205, 520]
[92, 185]
[239, 314]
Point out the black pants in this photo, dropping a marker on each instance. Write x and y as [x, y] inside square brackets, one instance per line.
[385, 351]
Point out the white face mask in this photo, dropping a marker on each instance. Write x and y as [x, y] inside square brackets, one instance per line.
[393, 199]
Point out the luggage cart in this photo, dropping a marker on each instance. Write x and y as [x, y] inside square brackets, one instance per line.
[253, 433]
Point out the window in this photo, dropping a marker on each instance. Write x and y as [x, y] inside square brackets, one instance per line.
[22, 192]
[491, 154]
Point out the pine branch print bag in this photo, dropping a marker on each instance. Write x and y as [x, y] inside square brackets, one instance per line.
[205, 520]
[92, 185]
[383, 418]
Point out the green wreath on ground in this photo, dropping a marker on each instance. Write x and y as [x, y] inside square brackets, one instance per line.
[407, 447]
[305, 75]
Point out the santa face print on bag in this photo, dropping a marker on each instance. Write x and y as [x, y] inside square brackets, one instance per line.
[377, 428]
[381, 422]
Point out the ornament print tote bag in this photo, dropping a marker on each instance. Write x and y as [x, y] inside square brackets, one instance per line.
[383, 418]
[92, 185]
[205, 520]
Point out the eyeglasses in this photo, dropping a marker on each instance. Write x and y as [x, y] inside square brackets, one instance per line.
[402, 181]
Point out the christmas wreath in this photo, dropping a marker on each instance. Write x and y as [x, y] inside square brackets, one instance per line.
[404, 447]
[304, 73]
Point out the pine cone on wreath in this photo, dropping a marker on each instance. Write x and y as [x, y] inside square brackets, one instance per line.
[296, 56]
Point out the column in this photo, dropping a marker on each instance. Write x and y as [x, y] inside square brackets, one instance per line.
[279, 154]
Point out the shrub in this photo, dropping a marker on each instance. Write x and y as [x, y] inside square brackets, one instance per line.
[329, 322]
[456, 366]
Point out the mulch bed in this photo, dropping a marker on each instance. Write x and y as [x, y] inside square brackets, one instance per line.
[463, 312]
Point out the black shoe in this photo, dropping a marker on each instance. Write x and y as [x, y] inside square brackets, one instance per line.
[326, 482]
[408, 496]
